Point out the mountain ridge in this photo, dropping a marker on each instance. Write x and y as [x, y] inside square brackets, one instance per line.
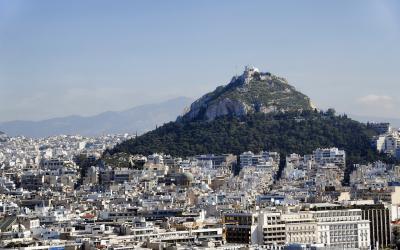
[139, 119]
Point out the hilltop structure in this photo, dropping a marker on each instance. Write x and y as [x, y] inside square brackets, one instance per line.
[252, 92]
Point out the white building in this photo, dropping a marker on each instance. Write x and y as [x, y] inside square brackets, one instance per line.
[262, 159]
[155, 159]
[342, 228]
[379, 143]
[330, 155]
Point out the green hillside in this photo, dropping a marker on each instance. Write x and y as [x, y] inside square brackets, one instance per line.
[285, 133]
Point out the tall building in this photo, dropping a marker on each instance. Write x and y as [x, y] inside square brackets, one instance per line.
[379, 219]
[272, 229]
[332, 228]
[240, 227]
[342, 228]
[277, 228]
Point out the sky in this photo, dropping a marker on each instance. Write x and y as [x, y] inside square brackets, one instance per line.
[60, 58]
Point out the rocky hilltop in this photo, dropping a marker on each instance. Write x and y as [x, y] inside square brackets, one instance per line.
[251, 92]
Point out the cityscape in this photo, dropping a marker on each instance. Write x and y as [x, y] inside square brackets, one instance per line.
[253, 163]
[70, 192]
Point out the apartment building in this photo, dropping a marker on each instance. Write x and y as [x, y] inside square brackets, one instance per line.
[330, 155]
[263, 158]
[241, 227]
[379, 217]
[333, 228]
[342, 228]
[271, 230]
[300, 227]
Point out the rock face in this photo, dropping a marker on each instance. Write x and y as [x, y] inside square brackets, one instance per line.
[223, 107]
[226, 107]
[252, 92]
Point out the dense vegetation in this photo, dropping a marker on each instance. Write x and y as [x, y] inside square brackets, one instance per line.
[284, 132]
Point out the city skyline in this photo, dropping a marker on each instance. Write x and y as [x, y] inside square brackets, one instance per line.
[204, 125]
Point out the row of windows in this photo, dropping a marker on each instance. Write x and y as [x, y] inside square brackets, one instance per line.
[346, 246]
[275, 239]
[273, 218]
[343, 232]
[274, 228]
[342, 227]
[302, 239]
[337, 213]
[333, 219]
[300, 233]
[303, 228]
[273, 234]
[344, 239]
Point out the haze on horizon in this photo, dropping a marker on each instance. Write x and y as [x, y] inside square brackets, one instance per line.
[60, 58]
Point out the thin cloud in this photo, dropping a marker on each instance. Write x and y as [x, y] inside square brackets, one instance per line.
[379, 101]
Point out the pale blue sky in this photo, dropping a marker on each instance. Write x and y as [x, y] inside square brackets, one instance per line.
[82, 57]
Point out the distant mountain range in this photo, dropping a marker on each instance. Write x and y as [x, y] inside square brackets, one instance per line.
[139, 119]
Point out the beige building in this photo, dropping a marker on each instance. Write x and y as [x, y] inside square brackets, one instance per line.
[334, 228]
[342, 228]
